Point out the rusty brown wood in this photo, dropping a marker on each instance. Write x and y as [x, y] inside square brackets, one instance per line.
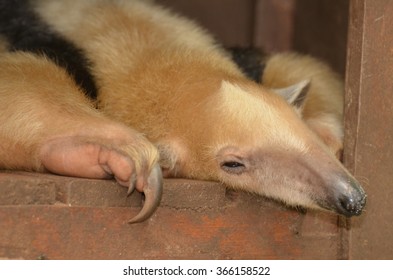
[369, 124]
[69, 218]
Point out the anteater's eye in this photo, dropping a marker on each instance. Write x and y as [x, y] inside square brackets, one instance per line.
[233, 167]
[233, 164]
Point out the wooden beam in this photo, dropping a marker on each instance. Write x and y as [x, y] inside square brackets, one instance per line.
[369, 124]
[54, 217]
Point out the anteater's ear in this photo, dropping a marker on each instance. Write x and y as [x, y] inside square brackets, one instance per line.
[295, 94]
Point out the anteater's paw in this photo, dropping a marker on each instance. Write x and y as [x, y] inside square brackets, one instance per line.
[132, 162]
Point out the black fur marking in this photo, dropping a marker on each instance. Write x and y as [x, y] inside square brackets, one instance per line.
[250, 61]
[25, 31]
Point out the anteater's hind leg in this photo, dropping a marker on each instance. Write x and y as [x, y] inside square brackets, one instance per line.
[47, 124]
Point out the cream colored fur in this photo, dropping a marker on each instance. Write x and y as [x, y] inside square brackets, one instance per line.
[323, 108]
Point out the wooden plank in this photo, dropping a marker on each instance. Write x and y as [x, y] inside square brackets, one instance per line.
[196, 220]
[273, 31]
[320, 29]
[369, 124]
[231, 21]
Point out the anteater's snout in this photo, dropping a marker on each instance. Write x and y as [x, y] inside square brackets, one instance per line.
[351, 205]
[350, 198]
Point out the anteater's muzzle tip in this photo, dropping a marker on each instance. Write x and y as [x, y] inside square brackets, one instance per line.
[351, 206]
[352, 200]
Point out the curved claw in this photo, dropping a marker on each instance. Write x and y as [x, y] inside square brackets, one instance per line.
[153, 194]
[132, 186]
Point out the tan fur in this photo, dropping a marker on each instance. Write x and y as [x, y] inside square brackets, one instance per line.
[127, 87]
[51, 110]
[18, 81]
[323, 109]
[164, 76]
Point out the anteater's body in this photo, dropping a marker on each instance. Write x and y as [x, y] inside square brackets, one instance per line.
[114, 70]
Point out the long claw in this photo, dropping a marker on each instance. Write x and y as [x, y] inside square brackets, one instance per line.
[132, 186]
[153, 194]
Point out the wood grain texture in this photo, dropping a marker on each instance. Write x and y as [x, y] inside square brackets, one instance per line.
[196, 220]
[369, 124]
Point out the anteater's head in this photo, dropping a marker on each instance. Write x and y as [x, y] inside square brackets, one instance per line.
[252, 139]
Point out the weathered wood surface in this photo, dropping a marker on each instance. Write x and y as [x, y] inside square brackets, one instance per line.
[320, 29]
[231, 21]
[52, 217]
[369, 124]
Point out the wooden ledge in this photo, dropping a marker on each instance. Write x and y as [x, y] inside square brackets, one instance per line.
[54, 217]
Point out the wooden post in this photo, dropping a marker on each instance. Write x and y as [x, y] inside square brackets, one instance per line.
[369, 124]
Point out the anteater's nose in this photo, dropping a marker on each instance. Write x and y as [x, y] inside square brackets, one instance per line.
[351, 205]
[350, 198]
